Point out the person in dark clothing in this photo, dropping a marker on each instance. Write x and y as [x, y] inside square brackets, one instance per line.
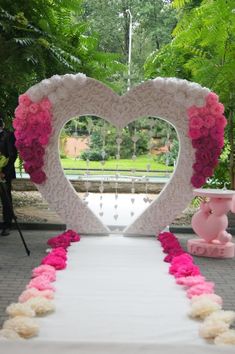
[7, 149]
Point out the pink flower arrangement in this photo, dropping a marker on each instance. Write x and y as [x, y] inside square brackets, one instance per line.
[41, 283]
[34, 292]
[64, 239]
[57, 262]
[190, 281]
[206, 129]
[201, 288]
[184, 270]
[33, 128]
[45, 270]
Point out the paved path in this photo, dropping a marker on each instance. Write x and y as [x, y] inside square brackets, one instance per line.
[16, 266]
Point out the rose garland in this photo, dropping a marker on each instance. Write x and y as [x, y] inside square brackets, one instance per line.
[33, 129]
[37, 298]
[205, 304]
[206, 129]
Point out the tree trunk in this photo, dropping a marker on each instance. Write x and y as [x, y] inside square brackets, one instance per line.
[231, 133]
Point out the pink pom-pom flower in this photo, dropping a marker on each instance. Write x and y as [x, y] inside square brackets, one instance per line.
[199, 289]
[33, 292]
[45, 270]
[41, 283]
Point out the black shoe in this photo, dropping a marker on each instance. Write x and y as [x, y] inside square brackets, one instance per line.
[5, 232]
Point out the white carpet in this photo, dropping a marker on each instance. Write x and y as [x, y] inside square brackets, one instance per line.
[116, 296]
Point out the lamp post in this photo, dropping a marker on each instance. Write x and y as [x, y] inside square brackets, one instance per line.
[129, 50]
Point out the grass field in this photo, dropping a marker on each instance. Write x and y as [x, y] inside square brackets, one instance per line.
[140, 163]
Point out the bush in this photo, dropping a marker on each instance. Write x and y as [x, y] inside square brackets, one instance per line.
[93, 155]
[170, 157]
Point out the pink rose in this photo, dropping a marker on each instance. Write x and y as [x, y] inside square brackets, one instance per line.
[196, 122]
[203, 111]
[209, 143]
[34, 107]
[198, 143]
[26, 153]
[57, 262]
[221, 121]
[192, 111]
[183, 258]
[187, 270]
[209, 121]
[38, 150]
[21, 112]
[197, 167]
[217, 109]
[38, 176]
[198, 180]
[212, 99]
[220, 142]
[172, 254]
[41, 283]
[203, 156]
[207, 171]
[201, 288]
[72, 235]
[43, 140]
[216, 132]
[204, 131]
[45, 104]
[24, 100]
[194, 133]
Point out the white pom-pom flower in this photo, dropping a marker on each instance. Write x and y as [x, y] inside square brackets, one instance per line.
[203, 308]
[9, 334]
[213, 297]
[225, 316]
[41, 305]
[227, 338]
[26, 327]
[211, 329]
[18, 309]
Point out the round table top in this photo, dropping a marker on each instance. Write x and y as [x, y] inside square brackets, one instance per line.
[214, 193]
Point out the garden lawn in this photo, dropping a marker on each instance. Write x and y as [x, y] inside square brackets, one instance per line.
[140, 163]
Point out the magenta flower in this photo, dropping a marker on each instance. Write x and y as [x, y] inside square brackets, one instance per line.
[24, 100]
[33, 129]
[195, 122]
[198, 180]
[194, 133]
[212, 99]
[38, 176]
[209, 121]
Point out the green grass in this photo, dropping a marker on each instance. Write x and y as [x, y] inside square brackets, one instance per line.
[126, 164]
[123, 164]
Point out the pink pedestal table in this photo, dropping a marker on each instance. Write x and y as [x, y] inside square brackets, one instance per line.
[210, 224]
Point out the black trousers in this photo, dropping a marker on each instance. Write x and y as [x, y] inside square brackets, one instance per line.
[6, 199]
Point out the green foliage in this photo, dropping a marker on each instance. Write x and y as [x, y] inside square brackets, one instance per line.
[126, 150]
[170, 157]
[41, 38]
[93, 155]
[220, 178]
[153, 21]
[203, 50]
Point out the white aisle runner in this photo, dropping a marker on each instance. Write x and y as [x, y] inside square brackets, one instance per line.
[116, 297]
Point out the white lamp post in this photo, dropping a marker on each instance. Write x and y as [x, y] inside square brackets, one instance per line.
[129, 50]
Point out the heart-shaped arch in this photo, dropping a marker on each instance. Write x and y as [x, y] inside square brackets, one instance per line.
[171, 99]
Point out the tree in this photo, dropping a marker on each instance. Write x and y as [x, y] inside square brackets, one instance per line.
[153, 21]
[45, 37]
[203, 50]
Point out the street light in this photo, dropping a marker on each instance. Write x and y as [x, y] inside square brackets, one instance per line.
[129, 50]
